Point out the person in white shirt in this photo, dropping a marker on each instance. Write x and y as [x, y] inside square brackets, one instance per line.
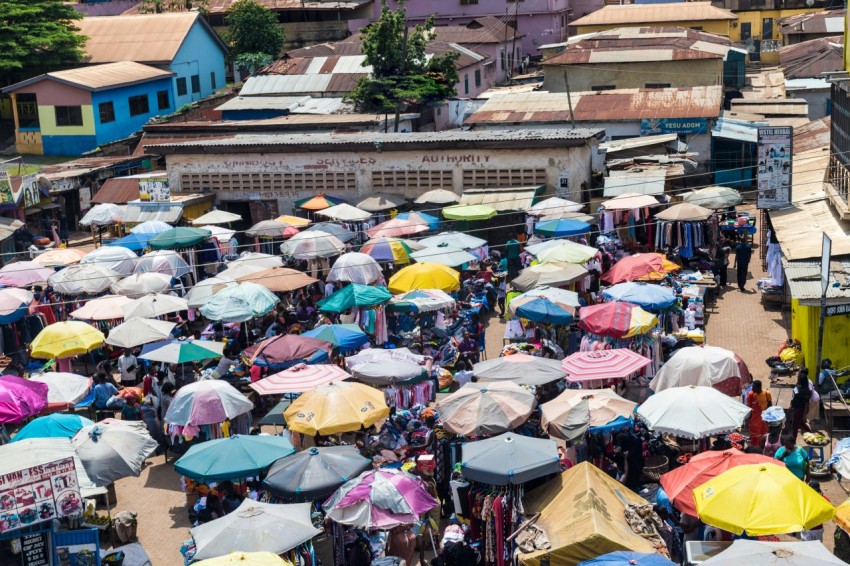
[127, 366]
[329, 289]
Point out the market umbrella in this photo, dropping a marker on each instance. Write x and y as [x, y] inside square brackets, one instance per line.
[112, 452]
[437, 196]
[616, 320]
[354, 295]
[486, 408]
[66, 339]
[63, 389]
[744, 552]
[708, 366]
[377, 202]
[562, 251]
[315, 473]
[255, 527]
[576, 411]
[385, 367]
[398, 227]
[561, 228]
[444, 254]
[433, 222]
[312, 245]
[760, 499]
[692, 412]
[343, 336]
[319, 202]
[552, 206]
[57, 425]
[110, 307]
[216, 216]
[118, 259]
[14, 304]
[563, 297]
[385, 249]
[628, 558]
[341, 406]
[181, 351]
[520, 368]
[180, 237]
[335, 230]
[629, 201]
[344, 213]
[541, 310]
[424, 276]
[152, 227]
[59, 257]
[104, 214]
[21, 398]
[299, 378]
[553, 274]
[421, 300]
[380, 500]
[509, 459]
[233, 458]
[618, 363]
[255, 260]
[679, 484]
[469, 212]
[650, 266]
[140, 284]
[271, 229]
[645, 295]
[138, 331]
[714, 197]
[154, 305]
[132, 242]
[203, 291]
[83, 279]
[242, 558]
[685, 212]
[23, 274]
[221, 234]
[210, 401]
[459, 239]
[287, 348]
[296, 221]
[240, 303]
[279, 279]
[354, 267]
[167, 262]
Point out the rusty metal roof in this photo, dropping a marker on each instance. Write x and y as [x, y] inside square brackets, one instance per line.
[99, 77]
[486, 29]
[809, 59]
[631, 14]
[222, 6]
[819, 23]
[771, 107]
[503, 199]
[86, 165]
[814, 135]
[117, 190]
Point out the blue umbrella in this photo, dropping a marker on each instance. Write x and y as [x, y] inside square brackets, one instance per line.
[561, 228]
[433, 221]
[645, 295]
[627, 558]
[134, 242]
[343, 336]
[57, 425]
[236, 457]
[545, 311]
[333, 229]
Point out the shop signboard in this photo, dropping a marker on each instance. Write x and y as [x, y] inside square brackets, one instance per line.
[35, 549]
[30, 190]
[688, 126]
[774, 166]
[39, 493]
[154, 189]
[5, 188]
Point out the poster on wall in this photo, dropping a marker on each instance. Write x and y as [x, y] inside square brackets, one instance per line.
[76, 548]
[154, 189]
[39, 493]
[85, 198]
[6, 188]
[774, 166]
[36, 549]
[31, 194]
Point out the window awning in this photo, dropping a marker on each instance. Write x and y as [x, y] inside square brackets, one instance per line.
[504, 199]
[168, 212]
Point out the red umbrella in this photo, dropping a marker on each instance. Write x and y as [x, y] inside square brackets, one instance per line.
[299, 378]
[616, 319]
[286, 348]
[652, 267]
[681, 482]
[603, 364]
[398, 227]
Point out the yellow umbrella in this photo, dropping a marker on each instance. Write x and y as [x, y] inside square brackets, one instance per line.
[842, 515]
[296, 221]
[336, 407]
[246, 559]
[66, 339]
[424, 276]
[761, 500]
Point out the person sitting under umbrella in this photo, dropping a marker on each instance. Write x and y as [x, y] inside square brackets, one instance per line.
[468, 348]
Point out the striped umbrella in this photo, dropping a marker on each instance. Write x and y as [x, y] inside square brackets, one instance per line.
[398, 227]
[486, 408]
[386, 249]
[299, 378]
[617, 320]
[319, 202]
[618, 363]
[14, 304]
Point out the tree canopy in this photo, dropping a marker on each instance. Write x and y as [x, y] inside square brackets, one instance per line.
[252, 28]
[37, 36]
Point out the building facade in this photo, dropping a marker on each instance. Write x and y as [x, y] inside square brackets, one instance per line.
[701, 16]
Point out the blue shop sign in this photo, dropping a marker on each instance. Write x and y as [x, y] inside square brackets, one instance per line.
[655, 126]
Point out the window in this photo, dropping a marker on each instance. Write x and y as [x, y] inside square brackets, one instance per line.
[657, 85]
[767, 28]
[181, 87]
[106, 111]
[466, 84]
[212, 80]
[196, 84]
[603, 87]
[478, 77]
[27, 108]
[162, 100]
[69, 115]
[696, 28]
[467, 2]
[746, 31]
[138, 105]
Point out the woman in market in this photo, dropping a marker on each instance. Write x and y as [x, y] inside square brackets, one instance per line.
[758, 401]
[794, 457]
[800, 398]
[632, 460]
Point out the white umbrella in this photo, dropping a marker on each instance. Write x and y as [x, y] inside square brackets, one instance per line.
[237, 271]
[257, 259]
[137, 331]
[117, 258]
[151, 227]
[355, 267]
[204, 291]
[142, 284]
[104, 214]
[377, 202]
[458, 239]
[345, 213]
[110, 307]
[83, 279]
[554, 294]
[437, 196]
[111, 452]
[444, 254]
[65, 388]
[707, 366]
[554, 206]
[312, 245]
[755, 552]
[167, 262]
[216, 216]
[154, 305]
[692, 412]
[219, 233]
[255, 527]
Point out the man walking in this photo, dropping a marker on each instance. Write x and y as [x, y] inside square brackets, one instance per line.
[512, 254]
[743, 253]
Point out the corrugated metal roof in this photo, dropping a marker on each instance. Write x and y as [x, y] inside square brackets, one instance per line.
[633, 143]
[117, 190]
[737, 130]
[288, 103]
[771, 107]
[644, 182]
[804, 281]
[654, 13]
[806, 84]
[163, 211]
[813, 57]
[514, 198]
[85, 165]
[486, 29]
[259, 85]
[814, 23]
[223, 6]
[814, 135]
[99, 77]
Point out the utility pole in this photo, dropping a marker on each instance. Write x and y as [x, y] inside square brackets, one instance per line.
[825, 255]
[569, 100]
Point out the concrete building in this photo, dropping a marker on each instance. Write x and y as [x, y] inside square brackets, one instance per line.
[499, 41]
[273, 171]
[700, 16]
[811, 25]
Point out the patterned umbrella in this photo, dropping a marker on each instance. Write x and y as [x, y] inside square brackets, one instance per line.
[644, 267]
[355, 267]
[83, 279]
[385, 249]
[575, 411]
[380, 499]
[14, 304]
[617, 320]
[421, 300]
[181, 351]
[542, 310]
[486, 408]
[24, 273]
[299, 378]
[271, 229]
[206, 402]
[618, 363]
[319, 202]
[397, 227]
[312, 245]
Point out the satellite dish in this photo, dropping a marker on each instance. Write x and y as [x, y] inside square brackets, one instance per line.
[751, 48]
[810, 3]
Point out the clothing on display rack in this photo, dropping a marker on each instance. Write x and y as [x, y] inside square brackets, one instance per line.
[406, 396]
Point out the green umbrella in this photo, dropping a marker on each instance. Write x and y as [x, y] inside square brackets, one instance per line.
[182, 237]
[355, 295]
[469, 212]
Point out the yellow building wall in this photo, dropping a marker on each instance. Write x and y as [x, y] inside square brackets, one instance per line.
[720, 27]
[47, 122]
[836, 335]
[756, 20]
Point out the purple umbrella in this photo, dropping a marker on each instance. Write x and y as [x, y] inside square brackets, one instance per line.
[20, 398]
[380, 499]
[206, 402]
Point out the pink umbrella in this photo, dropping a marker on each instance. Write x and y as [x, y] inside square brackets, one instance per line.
[299, 378]
[23, 273]
[398, 227]
[603, 364]
[210, 401]
[380, 499]
[20, 398]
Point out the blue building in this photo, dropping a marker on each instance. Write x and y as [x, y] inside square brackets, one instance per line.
[74, 111]
[180, 42]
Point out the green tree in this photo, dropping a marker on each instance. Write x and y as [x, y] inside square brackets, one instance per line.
[37, 36]
[252, 28]
[161, 6]
[402, 74]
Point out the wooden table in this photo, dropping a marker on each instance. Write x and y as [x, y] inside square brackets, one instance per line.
[831, 410]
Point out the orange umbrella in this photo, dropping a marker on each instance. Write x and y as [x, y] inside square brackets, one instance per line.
[640, 267]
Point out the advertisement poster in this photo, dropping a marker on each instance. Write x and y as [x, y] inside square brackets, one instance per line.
[31, 195]
[5, 188]
[35, 549]
[40, 493]
[774, 166]
[154, 189]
